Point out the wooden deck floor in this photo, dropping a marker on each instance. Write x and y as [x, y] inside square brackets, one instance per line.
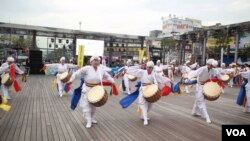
[39, 114]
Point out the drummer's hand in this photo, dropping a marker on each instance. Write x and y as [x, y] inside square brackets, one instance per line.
[69, 82]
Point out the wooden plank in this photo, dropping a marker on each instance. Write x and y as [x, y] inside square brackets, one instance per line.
[27, 136]
[26, 114]
[15, 121]
[21, 121]
[34, 114]
[46, 135]
[46, 124]
[11, 117]
[38, 113]
[50, 112]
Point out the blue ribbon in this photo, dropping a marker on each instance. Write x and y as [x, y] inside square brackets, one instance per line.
[129, 99]
[76, 95]
[242, 93]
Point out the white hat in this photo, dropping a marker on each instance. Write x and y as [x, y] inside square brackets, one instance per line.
[150, 64]
[94, 58]
[10, 59]
[62, 59]
[215, 63]
[210, 61]
[158, 61]
[129, 62]
[223, 65]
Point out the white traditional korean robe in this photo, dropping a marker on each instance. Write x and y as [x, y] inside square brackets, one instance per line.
[5, 89]
[246, 75]
[90, 76]
[202, 74]
[61, 68]
[146, 78]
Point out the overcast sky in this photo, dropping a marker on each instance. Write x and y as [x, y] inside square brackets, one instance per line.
[136, 17]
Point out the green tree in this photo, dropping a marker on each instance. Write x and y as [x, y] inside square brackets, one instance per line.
[222, 40]
[169, 43]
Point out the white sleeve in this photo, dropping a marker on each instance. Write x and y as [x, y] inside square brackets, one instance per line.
[162, 80]
[245, 74]
[107, 69]
[106, 76]
[18, 70]
[81, 72]
[126, 83]
[52, 65]
[217, 73]
[71, 66]
[194, 74]
[3, 69]
[135, 71]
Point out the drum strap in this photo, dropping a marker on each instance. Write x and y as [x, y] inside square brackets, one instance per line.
[91, 84]
[155, 81]
[145, 84]
[98, 71]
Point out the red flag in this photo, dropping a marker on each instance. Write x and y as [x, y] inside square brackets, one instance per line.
[15, 84]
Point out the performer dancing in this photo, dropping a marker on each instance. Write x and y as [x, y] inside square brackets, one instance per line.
[203, 74]
[93, 76]
[10, 61]
[185, 70]
[246, 75]
[147, 77]
[125, 81]
[158, 68]
[61, 68]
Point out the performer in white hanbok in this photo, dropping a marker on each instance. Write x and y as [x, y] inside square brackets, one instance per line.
[93, 76]
[158, 68]
[61, 68]
[185, 70]
[203, 74]
[246, 75]
[170, 69]
[147, 77]
[126, 82]
[10, 61]
[232, 74]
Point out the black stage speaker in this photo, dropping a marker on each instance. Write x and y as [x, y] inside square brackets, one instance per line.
[36, 62]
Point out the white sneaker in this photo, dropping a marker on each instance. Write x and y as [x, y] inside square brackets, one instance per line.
[145, 122]
[94, 121]
[196, 114]
[143, 118]
[88, 125]
[208, 121]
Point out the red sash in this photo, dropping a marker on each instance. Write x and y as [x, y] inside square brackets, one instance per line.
[16, 87]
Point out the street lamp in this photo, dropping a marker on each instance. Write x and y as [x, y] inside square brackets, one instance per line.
[80, 24]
